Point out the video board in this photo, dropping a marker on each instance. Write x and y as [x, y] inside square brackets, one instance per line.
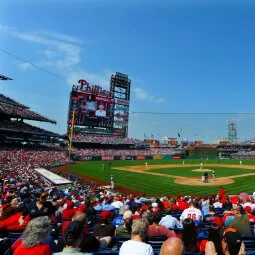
[91, 109]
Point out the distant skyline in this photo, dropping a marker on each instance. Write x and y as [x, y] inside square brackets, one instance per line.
[182, 56]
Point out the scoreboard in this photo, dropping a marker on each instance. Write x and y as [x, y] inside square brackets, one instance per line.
[91, 106]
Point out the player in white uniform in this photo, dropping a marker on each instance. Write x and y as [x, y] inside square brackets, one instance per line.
[201, 165]
[112, 182]
[241, 162]
[191, 213]
[146, 164]
[213, 175]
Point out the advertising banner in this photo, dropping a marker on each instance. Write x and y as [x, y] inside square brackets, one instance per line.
[128, 157]
[140, 157]
[176, 157]
[121, 101]
[87, 158]
[167, 157]
[149, 157]
[108, 158]
[157, 157]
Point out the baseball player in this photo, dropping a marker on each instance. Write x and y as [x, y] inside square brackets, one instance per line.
[112, 181]
[213, 175]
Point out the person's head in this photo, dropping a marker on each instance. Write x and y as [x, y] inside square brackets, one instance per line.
[211, 209]
[191, 204]
[36, 231]
[106, 216]
[172, 246]
[231, 241]
[73, 234]
[168, 211]
[79, 216]
[140, 228]
[101, 107]
[123, 208]
[128, 224]
[214, 236]
[189, 235]
[156, 218]
[236, 209]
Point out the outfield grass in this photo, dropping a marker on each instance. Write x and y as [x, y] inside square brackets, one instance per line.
[161, 185]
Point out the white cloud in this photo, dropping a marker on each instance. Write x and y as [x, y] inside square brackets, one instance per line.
[141, 94]
[25, 66]
[62, 37]
[160, 100]
[63, 50]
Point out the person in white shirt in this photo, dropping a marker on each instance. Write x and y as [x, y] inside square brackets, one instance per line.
[137, 246]
[217, 204]
[117, 204]
[169, 221]
[191, 213]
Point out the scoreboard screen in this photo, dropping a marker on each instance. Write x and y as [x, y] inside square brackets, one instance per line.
[91, 109]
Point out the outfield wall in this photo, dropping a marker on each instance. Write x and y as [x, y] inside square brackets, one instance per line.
[128, 157]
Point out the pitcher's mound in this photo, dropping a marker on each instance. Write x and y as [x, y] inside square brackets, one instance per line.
[202, 170]
[198, 182]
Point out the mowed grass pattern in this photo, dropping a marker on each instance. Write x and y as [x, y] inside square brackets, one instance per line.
[161, 185]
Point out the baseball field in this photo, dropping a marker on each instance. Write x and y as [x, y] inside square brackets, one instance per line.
[167, 177]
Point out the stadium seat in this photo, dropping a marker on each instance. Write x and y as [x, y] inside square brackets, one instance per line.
[249, 241]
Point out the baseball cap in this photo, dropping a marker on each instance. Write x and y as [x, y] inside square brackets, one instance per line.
[106, 214]
[73, 231]
[247, 209]
[233, 240]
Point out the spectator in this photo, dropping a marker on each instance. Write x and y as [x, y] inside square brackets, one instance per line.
[213, 236]
[241, 221]
[31, 242]
[212, 217]
[189, 236]
[191, 213]
[159, 230]
[73, 238]
[231, 244]
[136, 245]
[172, 246]
[169, 221]
[118, 220]
[125, 230]
[104, 227]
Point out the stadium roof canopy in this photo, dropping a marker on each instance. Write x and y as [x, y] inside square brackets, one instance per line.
[4, 78]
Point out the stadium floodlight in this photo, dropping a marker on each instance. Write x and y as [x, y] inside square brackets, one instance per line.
[4, 78]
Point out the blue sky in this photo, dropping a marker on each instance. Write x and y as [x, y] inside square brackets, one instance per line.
[182, 56]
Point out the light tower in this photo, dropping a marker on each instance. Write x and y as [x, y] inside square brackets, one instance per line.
[232, 131]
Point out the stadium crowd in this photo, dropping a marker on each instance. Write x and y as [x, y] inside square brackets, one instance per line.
[84, 218]
[122, 152]
[96, 138]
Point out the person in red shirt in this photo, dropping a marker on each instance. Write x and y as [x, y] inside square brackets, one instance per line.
[35, 233]
[183, 204]
[68, 213]
[79, 216]
[222, 195]
[159, 230]
[250, 216]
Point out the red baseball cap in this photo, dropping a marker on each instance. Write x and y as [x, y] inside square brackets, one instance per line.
[106, 214]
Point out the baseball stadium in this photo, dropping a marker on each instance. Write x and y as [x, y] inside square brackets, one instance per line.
[127, 127]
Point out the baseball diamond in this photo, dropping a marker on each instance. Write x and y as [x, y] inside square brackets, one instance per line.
[171, 176]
